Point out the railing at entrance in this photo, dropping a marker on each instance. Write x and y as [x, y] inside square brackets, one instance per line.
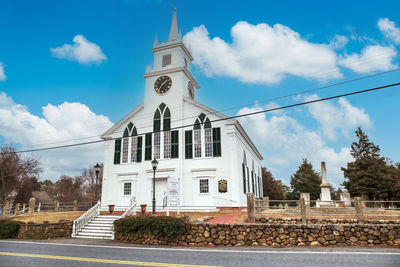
[85, 218]
[131, 209]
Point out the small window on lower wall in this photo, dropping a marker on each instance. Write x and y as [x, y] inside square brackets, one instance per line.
[127, 188]
[204, 188]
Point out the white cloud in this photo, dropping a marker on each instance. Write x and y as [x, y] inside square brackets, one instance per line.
[2, 74]
[82, 50]
[338, 42]
[284, 141]
[261, 54]
[372, 58]
[343, 117]
[62, 122]
[389, 30]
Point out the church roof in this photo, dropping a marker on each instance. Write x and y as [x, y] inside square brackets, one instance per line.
[107, 134]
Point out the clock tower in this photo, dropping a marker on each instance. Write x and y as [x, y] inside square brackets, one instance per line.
[168, 79]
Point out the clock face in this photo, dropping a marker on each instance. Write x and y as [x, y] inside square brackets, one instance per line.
[163, 84]
[191, 89]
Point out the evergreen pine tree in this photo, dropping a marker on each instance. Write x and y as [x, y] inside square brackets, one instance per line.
[305, 180]
[369, 175]
[272, 188]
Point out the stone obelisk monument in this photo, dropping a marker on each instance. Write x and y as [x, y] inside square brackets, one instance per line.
[325, 188]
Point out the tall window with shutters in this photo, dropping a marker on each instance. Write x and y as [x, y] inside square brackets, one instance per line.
[245, 188]
[205, 138]
[126, 148]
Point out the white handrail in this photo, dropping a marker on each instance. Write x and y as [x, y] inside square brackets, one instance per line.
[131, 208]
[85, 218]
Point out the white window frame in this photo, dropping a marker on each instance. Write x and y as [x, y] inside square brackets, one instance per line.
[125, 188]
[207, 186]
[133, 150]
[208, 142]
[197, 144]
[167, 144]
[157, 145]
[125, 150]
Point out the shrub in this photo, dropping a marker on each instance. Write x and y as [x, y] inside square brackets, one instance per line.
[8, 229]
[158, 226]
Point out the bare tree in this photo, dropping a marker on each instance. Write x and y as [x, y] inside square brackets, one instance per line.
[89, 178]
[14, 169]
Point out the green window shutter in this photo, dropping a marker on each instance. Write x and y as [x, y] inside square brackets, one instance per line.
[117, 151]
[139, 149]
[248, 179]
[252, 181]
[147, 147]
[216, 142]
[174, 144]
[189, 144]
[244, 178]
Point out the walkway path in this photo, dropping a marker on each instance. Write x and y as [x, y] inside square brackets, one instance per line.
[227, 218]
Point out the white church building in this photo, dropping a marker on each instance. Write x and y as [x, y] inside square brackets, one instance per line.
[213, 158]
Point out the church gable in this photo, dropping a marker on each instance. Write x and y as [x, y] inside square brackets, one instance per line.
[119, 128]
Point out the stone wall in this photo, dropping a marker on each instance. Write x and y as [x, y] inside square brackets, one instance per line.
[262, 219]
[204, 234]
[45, 231]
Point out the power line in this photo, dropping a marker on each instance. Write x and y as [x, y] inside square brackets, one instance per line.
[226, 118]
[235, 107]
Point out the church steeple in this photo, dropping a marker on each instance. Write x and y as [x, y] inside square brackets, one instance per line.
[173, 33]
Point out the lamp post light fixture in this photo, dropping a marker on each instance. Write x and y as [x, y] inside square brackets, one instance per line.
[97, 169]
[154, 163]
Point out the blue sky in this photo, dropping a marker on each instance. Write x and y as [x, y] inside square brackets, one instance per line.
[45, 94]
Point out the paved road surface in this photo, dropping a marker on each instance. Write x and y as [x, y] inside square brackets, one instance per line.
[108, 253]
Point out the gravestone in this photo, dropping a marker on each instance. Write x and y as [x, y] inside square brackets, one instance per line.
[345, 199]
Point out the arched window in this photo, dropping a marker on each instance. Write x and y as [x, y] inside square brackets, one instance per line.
[164, 140]
[210, 143]
[244, 163]
[129, 138]
[253, 181]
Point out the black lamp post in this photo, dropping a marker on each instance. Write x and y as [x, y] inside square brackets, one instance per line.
[97, 171]
[154, 163]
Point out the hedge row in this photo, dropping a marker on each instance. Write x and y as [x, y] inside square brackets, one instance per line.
[157, 226]
[8, 229]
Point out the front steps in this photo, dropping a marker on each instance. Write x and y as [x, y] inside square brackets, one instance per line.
[101, 227]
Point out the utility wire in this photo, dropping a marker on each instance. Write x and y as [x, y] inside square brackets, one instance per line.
[222, 119]
[234, 107]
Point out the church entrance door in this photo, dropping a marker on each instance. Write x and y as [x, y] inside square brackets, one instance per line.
[161, 192]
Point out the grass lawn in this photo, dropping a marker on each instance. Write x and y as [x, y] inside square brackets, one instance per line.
[51, 217]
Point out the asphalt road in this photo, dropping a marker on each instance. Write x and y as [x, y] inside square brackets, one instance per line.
[108, 253]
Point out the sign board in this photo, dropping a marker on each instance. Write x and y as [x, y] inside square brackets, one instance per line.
[222, 186]
[173, 193]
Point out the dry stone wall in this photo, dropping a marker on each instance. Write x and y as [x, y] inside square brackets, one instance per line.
[45, 231]
[204, 234]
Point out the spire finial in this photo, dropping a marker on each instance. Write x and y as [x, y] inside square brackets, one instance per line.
[155, 44]
[173, 33]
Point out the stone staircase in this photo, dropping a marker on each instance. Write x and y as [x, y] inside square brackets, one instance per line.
[100, 227]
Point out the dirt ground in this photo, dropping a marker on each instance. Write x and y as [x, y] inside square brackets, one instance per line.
[51, 217]
[197, 215]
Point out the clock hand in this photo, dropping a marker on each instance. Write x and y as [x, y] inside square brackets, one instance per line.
[163, 84]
